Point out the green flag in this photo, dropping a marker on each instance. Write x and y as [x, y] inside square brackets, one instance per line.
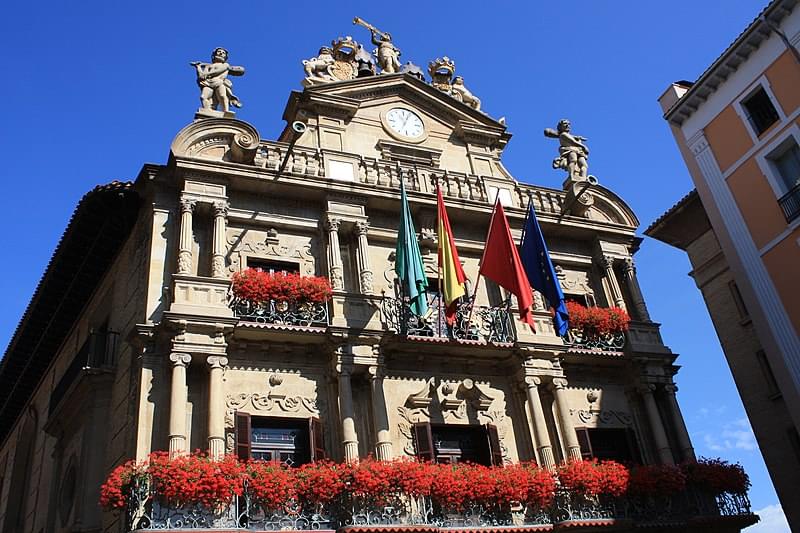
[408, 263]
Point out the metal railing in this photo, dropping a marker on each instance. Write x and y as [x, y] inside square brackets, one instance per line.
[487, 323]
[146, 512]
[607, 342]
[282, 312]
[790, 203]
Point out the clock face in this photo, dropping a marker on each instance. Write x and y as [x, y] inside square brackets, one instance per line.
[405, 122]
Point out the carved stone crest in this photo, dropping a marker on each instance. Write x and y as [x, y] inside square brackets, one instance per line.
[339, 62]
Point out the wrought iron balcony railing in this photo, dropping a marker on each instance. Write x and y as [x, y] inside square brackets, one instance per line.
[243, 513]
[491, 324]
[282, 312]
[607, 342]
[790, 203]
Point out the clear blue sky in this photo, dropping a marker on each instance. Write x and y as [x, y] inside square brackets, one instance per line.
[95, 89]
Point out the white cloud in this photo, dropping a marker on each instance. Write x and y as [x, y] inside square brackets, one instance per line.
[735, 435]
[772, 521]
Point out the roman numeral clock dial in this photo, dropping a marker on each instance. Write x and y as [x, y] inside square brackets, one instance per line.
[405, 123]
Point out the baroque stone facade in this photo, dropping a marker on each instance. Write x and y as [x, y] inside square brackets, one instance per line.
[186, 370]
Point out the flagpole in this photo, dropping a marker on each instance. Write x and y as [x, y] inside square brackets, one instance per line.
[478, 281]
[441, 297]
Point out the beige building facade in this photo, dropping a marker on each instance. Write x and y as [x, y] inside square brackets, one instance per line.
[738, 129]
[133, 344]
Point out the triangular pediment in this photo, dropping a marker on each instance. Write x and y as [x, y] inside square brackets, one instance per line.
[346, 99]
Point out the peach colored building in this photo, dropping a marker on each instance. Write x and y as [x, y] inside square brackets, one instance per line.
[738, 129]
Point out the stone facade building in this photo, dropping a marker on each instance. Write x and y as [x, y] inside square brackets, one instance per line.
[132, 344]
[738, 129]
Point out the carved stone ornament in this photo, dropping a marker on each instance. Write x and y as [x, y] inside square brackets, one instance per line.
[603, 416]
[246, 243]
[442, 70]
[216, 90]
[338, 62]
[573, 153]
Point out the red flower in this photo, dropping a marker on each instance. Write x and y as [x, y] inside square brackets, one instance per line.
[716, 476]
[656, 480]
[271, 483]
[258, 286]
[597, 320]
[592, 478]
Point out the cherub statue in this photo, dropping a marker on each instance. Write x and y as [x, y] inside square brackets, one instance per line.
[388, 54]
[572, 152]
[216, 90]
[458, 88]
[319, 68]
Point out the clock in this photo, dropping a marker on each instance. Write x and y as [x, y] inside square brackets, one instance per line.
[405, 123]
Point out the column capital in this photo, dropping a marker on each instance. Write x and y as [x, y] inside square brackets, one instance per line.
[628, 266]
[361, 227]
[606, 261]
[180, 359]
[532, 382]
[332, 223]
[646, 388]
[671, 388]
[217, 361]
[187, 204]
[375, 372]
[220, 208]
[560, 383]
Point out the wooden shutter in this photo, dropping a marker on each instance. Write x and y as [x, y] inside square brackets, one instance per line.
[242, 432]
[495, 451]
[423, 440]
[584, 442]
[317, 439]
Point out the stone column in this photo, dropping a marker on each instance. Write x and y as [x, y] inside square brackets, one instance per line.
[540, 434]
[216, 407]
[567, 429]
[186, 237]
[349, 435]
[687, 451]
[364, 268]
[656, 426]
[607, 263]
[632, 282]
[334, 254]
[177, 404]
[219, 243]
[383, 446]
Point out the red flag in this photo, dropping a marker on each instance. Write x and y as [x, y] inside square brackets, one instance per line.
[501, 264]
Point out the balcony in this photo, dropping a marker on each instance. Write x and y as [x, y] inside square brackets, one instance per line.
[491, 324]
[790, 203]
[606, 342]
[282, 313]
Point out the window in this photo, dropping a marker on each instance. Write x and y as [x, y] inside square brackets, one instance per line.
[773, 391]
[448, 443]
[294, 441]
[737, 300]
[617, 444]
[272, 267]
[760, 112]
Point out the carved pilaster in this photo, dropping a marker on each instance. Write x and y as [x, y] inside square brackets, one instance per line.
[687, 450]
[177, 405]
[567, 429]
[364, 267]
[540, 434]
[186, 236]
[656, 426]
[349, 434]
[216, 406]
[219, 242]
[607, 263]
[632, 282]
[383, 446]
[334, 253]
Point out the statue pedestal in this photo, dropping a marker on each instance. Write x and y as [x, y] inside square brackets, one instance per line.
[213, 113]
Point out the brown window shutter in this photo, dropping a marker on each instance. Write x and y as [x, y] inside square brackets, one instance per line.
[317, 439]
[584, 442]
[495, 450]
[423, 440]
[242, 432]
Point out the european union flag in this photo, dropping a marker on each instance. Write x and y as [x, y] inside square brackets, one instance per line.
[540, 271]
